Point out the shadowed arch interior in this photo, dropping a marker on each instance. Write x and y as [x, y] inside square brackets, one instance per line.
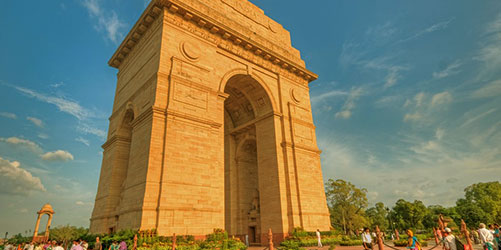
[246, 104]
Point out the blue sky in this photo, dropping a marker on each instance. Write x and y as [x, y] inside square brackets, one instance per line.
[407, 104]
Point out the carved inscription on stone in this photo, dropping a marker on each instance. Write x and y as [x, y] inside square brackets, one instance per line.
[303, 132]
[187, 94]
[301, 113]
[189, 71]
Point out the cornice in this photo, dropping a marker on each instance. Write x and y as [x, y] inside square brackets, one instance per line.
[154, 10]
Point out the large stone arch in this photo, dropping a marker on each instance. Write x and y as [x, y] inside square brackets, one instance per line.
[245, 72]
[250, 158]
[210, 87]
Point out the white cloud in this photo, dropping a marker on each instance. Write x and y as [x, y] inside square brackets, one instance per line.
[63, 104]
[36, 121]
[87, 129]
[477, 117]
[412, 117]
[441, 98]
[345, 114]
[392, 78]
[435, 27]
[83, 141]
[57, 85]
[349, 105]
[106, 20]
[16, 180]
[70, 107]
[325, 96]
[388, 100]
[490, 50]
[23, 143]
[491, 89]
[58, 155]
[8, 115]
[382, 31]
[43, 136]
[352, 54]
[451, 69]
[82, 203]
[419, 98]
[439, 133]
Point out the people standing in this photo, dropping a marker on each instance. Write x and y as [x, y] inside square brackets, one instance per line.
[84, 244]
[497, 235]
[319, 239]
[114, 246]
[486, 237]
[98, 245]
[449, 240]
[122, 245]
[413, 243]
[9, 246]
[58, 246]
[76, 246]
[367, 239]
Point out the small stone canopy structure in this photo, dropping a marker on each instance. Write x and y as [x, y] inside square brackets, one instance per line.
[46, 209]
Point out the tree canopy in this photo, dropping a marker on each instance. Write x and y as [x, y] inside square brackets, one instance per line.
[349, 212]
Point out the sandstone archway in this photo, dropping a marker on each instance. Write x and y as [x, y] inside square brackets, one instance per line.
[222, 134]
[247, 104]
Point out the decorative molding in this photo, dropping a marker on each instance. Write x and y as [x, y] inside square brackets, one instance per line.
[300, 146]
[192, 118]
[223, 36]
[113, 139]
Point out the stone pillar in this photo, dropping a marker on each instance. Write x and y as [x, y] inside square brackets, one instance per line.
[48, 226]
[35, 233]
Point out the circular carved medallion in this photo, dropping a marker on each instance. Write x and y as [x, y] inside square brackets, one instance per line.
[295, 96]
[273, 26]
[190, 51]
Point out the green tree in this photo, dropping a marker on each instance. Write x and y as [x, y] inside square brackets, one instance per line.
[482, 203]
[67, 233]
[409, 214]
[346, 204]
[378, 216]
[430, 219]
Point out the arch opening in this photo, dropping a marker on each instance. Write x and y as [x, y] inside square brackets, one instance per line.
[126, 133]
[247, 103]
[42, 228]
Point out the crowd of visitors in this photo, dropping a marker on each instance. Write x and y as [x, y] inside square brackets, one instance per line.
[489, 236]
[54, 245]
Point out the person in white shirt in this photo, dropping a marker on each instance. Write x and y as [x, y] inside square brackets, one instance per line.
[9, 246]
[319, 238]
[486, 237]
[449, 240]
[367, 239]
[58, 246]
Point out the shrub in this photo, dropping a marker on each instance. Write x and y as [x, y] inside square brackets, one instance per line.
[351, 243]
[290, 245]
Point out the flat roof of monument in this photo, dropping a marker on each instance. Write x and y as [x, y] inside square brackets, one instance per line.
[277, 49]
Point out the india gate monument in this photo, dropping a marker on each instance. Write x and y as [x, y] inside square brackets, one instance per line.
[211, 127]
